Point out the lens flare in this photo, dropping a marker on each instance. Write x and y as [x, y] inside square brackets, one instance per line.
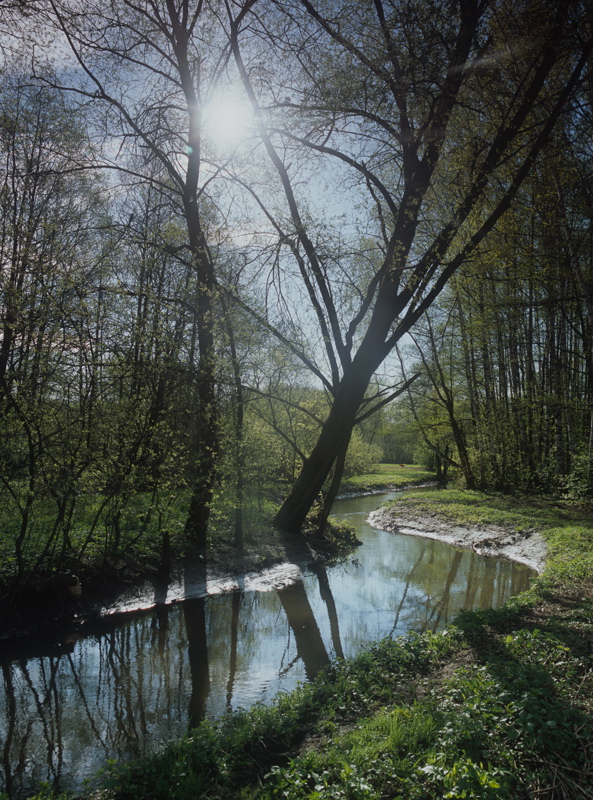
[228, 120]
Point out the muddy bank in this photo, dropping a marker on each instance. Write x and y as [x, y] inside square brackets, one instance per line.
[127, 589]
[225, 569]
[525, 547]
[132, 585]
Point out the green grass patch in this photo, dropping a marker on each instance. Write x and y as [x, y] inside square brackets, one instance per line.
[507, 724]
[473, 508]
[386, 477]
[480, 508]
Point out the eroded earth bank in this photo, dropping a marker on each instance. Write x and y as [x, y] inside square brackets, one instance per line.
[525, 546]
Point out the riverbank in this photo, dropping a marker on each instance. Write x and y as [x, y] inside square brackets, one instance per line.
[267, 560]
[139, 580]
[524, 546]
[500, 705]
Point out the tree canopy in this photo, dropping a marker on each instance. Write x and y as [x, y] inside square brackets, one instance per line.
[225, 222]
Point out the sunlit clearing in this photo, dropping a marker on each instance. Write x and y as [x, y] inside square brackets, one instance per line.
[228, 120]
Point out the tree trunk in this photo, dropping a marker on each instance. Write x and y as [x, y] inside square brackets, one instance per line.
[204, 459]
[332, 492]
[462, 451]
[239, 403]
[336, 430]
[205, 455]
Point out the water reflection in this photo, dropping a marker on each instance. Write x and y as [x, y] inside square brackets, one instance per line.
[194, 615]
[131, 685]
[235, 610]
[326, 595]
[307, 636]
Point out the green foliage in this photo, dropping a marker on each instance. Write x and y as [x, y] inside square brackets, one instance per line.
[101, 529]
[398, 435]
[578, 483]
[341, 781]
[387, 476]
[479, 734]
[125, 534]
[283, 427]
[335, 540]
[361, 456]
[570, 549]
[463, 778]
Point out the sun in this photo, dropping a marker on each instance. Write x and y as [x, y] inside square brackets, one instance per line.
[228, 120]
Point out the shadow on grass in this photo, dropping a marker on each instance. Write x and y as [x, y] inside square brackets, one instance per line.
[528, 685]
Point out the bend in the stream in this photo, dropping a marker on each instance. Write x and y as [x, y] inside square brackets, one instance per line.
[139, 680]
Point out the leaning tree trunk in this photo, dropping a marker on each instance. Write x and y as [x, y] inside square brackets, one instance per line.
[317, 468]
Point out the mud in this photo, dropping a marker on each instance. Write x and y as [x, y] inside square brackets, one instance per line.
[525, 547]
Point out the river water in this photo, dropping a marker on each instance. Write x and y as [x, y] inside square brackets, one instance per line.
[130, 685]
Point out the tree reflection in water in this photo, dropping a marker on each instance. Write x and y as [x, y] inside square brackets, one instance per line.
[12, 771]
[194, 614]
[235, 609]
[309, 644]
[132, 683]
[326, 595]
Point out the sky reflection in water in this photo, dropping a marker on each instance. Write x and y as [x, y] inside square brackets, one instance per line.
[123, 691]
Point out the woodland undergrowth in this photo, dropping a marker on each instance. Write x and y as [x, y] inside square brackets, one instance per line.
[498, 705]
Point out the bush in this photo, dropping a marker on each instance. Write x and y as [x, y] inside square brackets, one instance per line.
[361, 456]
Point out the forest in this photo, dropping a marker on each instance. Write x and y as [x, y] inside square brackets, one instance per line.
[249, 248]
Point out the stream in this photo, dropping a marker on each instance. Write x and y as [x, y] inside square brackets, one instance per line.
[134, 683]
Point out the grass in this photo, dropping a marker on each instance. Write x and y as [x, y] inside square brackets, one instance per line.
[385, 477]
[499, 705]
[480, 508]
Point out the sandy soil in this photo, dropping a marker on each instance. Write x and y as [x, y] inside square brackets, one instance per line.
[525, 547]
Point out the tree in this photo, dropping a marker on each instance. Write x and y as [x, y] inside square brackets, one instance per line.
[50, 260]
[441, 424]
[516, 323]
[149, 70]
[524, 333]
[393, 94]
[383, 109]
